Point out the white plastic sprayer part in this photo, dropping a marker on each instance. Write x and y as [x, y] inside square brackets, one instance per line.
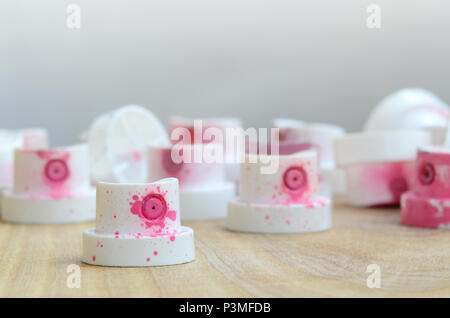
[380, 146]
[320, 134]
[118, 142]
[9, 141]
[206, 203]
[446, 142]
[221, 123]
[295, 218]
[335, 179]
[30, 138]
[192, 164]
[34, 138]
[409, 108]
[138, 225]
[273, 186]
[45, 210]
[51, 186]
[282, 201]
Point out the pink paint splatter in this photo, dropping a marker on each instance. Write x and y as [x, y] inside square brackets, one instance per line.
[152, 210]
[172, 215]
[55, 172]
[137, 156]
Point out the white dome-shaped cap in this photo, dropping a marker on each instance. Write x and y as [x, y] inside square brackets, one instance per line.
[409, 108]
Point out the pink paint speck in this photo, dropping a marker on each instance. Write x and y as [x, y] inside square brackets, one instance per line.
[148, 259]
[172, 215]
[155, 253]
[93, 258]
[137, 156]
[172, 238]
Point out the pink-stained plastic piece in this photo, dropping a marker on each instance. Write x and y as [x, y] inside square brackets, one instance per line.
[192, 133]
[428, 203]
[56, 170]
[294, 181]
[379, 184]
[426, 173]
[433, 172]
[35, 138]
[138, 209]
[284, 200]
[295, 178]
[284, 148]
[53, 173]
[50, 186]
[211, 131]
[197, 135]
[398, 185]
[190, 174]
[320, 135]
[425, 211]
[154, 206]
[204, 189]
[288, 148]
[138, 225]
[171, 167]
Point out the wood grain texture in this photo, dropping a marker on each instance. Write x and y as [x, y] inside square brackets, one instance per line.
[413, 261]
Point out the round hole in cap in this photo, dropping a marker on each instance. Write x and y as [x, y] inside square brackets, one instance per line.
[295, 178]
[154, 206]
[56, 170]
[426, 173]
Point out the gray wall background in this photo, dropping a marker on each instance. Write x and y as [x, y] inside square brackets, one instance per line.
[314, 60]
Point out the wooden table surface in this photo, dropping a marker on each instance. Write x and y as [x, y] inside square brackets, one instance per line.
[413, 262]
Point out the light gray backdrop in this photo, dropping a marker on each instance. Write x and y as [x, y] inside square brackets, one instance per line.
[314, 60]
